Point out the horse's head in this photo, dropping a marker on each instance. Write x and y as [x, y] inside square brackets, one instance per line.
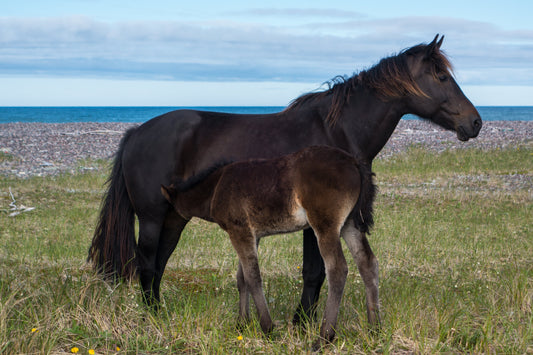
[439, 98]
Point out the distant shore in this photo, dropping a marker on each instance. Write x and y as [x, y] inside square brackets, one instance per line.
[29, 149]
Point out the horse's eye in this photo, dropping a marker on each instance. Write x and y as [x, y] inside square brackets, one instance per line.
[443, 77]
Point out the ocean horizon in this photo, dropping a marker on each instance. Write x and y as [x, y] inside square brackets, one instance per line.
[72, 114]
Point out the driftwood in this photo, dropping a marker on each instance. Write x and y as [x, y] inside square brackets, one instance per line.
[15, 210]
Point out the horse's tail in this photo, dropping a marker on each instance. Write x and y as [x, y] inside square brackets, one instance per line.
[113, 247]
[364, 219]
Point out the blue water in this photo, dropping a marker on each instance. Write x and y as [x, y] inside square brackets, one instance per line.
[142, 114]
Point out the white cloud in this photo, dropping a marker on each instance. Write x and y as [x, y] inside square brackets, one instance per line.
[302, 12]
[314, 50]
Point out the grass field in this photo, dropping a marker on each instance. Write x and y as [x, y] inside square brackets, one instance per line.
[453, 234]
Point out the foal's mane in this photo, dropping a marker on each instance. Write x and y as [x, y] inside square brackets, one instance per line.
[389, 79]
[184, 185]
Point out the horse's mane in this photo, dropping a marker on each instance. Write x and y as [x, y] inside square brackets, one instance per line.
[389, 79]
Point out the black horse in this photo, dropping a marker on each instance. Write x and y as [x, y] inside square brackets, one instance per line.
[357, 115]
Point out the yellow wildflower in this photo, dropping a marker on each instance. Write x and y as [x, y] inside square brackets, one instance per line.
[91, 351]
[74, 350]
[34, 330]
[117, 348]
[239, 337]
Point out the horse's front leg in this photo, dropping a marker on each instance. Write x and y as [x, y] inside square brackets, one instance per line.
[313, 273]
[367, 263]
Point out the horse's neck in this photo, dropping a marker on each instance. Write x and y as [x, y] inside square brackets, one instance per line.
[369, 122]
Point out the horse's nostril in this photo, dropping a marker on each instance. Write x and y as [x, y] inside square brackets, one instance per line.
[478, 123]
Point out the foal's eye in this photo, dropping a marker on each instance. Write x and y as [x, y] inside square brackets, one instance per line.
[443, 77]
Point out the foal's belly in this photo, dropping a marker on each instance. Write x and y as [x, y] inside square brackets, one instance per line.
[288, 223]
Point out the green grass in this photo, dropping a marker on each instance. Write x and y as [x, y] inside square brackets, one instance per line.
[453, 235]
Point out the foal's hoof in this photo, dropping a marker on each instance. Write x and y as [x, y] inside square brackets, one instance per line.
[267, 329]
[374, 328]
[323, 341]
[318, 345]
[242, 324]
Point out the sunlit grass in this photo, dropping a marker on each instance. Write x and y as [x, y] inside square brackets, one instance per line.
[453, 236]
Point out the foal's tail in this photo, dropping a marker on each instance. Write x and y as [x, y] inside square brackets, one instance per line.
[113, 247]
[364, 219]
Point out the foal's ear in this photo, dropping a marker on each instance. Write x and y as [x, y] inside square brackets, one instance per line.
[168, 192]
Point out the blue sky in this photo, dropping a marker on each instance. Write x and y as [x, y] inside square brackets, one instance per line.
[233, 53]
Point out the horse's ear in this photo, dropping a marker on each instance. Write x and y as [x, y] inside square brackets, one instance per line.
[439, 43]
[168, 192]
[434, 46]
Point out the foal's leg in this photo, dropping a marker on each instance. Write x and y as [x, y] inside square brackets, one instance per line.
[313, 273]
[336, 271]
[367, 264]
[244, 294]
[244, 297]
[246, 248]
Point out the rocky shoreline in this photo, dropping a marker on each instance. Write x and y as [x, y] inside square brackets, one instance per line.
[37, 149]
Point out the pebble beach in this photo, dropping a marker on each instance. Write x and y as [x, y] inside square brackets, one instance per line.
[38, 149]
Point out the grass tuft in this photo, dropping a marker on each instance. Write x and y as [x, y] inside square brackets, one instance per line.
[453, 235]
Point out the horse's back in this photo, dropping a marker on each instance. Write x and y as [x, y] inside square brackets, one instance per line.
[179, 144]
[184, 142]
[150, 155]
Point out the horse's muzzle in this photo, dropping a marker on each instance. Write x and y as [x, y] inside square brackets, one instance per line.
[465, 132]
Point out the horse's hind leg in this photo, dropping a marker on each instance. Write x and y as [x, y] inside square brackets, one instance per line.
[149, 233]
[367, 264]
[168, 239]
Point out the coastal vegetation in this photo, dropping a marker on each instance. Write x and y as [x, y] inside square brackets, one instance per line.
[453, 234]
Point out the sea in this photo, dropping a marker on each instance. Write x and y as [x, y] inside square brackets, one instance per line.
[142, 114]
